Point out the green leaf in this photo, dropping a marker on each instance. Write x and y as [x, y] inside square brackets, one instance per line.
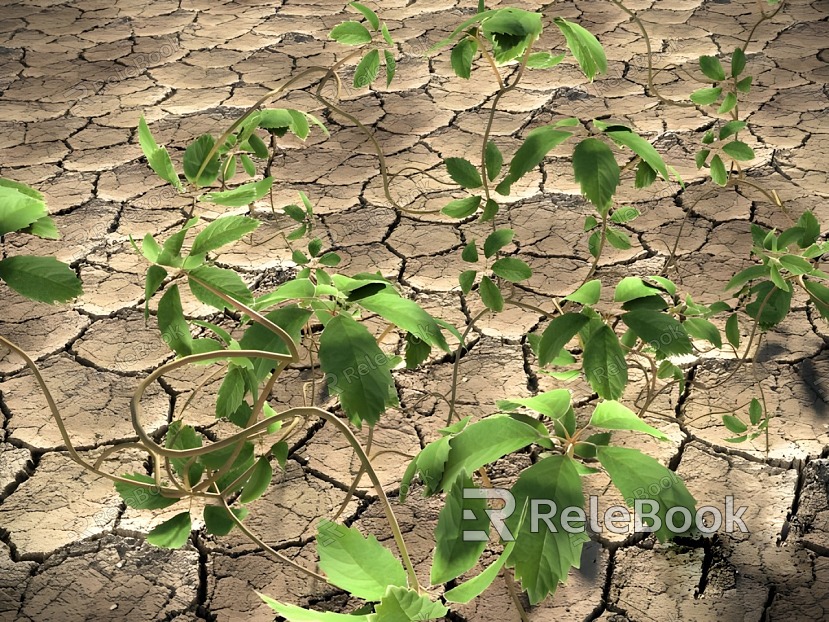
[734, 424]
[776, 307]
[617, 239]
[223, 231]
[44, 227]
[706, 96]
[738, 62]
[491, 295]
[299, 257]
[217, 519]
[356, 369]
[367, 69]
[638, 476]
[559, 332]
[467, 280]
[257, 337]
[494, 160]
[462, 208]
[744, 85]
[247, 164]
[641, 147]
[231, 393]
[596, 171]
[351, 33]
[174, 329]
[624, 214]
[370, 15]
[661, 331]
[361, 566]
[195, 155]
[712, 68]
[511, 31]
[298, 614]
[553, 404]
[512, 269]
[470, 252]
[645, 175]
[400, 604]
[587, 294]
[314, 247]
[738, 150]
[611, 415]
[632, 287]
[819, 295]
[702, 157]
[718, 172]
[260, 479]
[584, 46]
[180, 436]
[604, 363]
[430, 463]
[703, 329]
[18, 210]
[463, 172]
[732, 330]
[476, 586]
[728, 103]
[173, 533]
[483, 442]
[454, 554]
[240, 196]
[391, 67]
[497, 240]
[226, 281]
[749, 274]
[386, 34]
[731, 128]
[491, 209]
[462, 55]
[544, 552]
[142, 497]
[155, 276]
[330, 259]
[755, 411]
[417, 351]
[590, 222]
[536, 146]
[543, 60]
[157, 157]
[408, 315]
[44, 279]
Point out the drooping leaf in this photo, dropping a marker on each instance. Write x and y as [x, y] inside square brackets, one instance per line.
[356, 369]
[770, 305]
[293, 613]
[217, 520]
[18, 210]
[632, 287]
[641, 147]
[536, 146]
[587, 294]
[638, 476]
[731, 128]
[361, 566]
[729, 102]
[173, 533]
[718, 172]
[194, 157]
[491, 295]
[584, 46]
[391, 67]
[738, 62]
[511, 31]
[474, 587]
[455, 553]
[543, 60]
[739, 150]
[180, 436]
[560, 331]
[462, 55]
[544, 552]
[44, 279]
[174, 329]
[370, 15]
[367, 69]
[497, 240]
[611, 415]
[260, 479]
[408, 315]
[703, 329]
[604, 363]
[467, 280]
[596, 172]
[257, 337]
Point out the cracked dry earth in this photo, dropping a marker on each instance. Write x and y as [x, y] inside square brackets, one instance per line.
[74, 78]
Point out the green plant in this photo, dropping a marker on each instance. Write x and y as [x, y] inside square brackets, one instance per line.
[314, 317]
[45, 279]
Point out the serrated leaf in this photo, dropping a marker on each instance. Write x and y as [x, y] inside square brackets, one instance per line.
[330, 260]
[641, 147]
[474, 587]
[604, 363]
[491, 295]
[744, 85]
[400, 604]
[454, 553]
[247, 164]
[559, 332]
[773, 301]
[407, 315]
[731, 128]
[543, 60]
[645, 175]
[663, 332]
[617, 238]
[470, 252]
[497, 240]
[706, 96]
[391, 67]
[367, 69]
[180, 436]
[174, 329]
[738, 62]
[467, 280]
[739, 150]
[361, 566]
[18, 210]
[553, 404]
[511, 31]
[195, 155]
[351, 33]
[370, 15]
[463, 173]
[494, 160]
[728, 103]
[223, 231]
[225, 281]
[462, 55]
[462, 208]
[533, 150]
[173, 533]
[703, 329]
[584, 46]
[512, 269]
[291, 319]
[356, 370]
[718, 171]
[44, 279]
[712, 68]
[638, 476]
[257, 484]
[611, 415]
[491, 209]
[596, 172]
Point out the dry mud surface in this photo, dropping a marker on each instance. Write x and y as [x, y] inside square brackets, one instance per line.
[74, 78]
